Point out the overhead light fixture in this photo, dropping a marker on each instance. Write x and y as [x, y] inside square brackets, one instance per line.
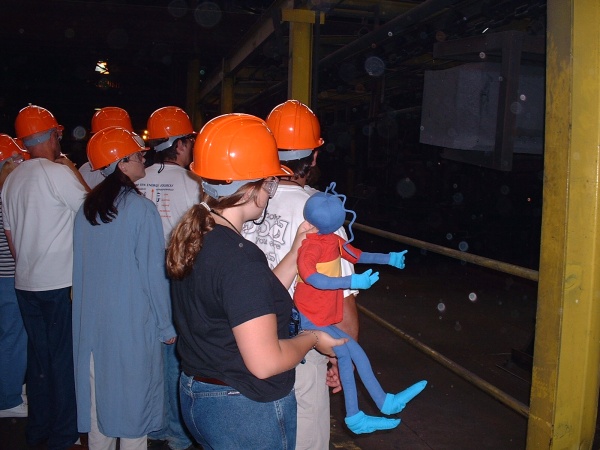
[102, 67]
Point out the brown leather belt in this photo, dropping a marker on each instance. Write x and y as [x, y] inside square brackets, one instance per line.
[209, 380]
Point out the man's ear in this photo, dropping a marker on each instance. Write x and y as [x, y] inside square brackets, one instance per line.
[314, 161]
[179, 147]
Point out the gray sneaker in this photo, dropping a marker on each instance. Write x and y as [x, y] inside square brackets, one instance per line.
[17, 411]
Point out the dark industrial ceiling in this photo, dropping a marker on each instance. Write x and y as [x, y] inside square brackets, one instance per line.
[370, 60]
[50, 48]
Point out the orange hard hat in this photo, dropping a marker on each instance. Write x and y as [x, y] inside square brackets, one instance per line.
[236, 147]
[296, 130]
[170, 123]
[34, 119]
[110, 145]
[111, 116]
[9, 148]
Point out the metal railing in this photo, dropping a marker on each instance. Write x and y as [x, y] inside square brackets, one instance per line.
[467, 375]
[519, 271]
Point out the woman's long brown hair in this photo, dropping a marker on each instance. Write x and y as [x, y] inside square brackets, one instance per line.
[187, 237]
[101, 203]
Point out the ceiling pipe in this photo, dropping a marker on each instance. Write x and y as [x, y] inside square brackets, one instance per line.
[388, 30]
[394, 26]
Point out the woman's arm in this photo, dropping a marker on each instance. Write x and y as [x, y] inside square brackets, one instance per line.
[266, 355]
[286, 270]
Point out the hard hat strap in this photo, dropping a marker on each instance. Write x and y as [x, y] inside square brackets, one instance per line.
[109, 169]
[168, 143]
[31, 141]
[290, 155]
[224, 190]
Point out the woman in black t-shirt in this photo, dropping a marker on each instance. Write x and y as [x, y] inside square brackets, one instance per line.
[231, 312]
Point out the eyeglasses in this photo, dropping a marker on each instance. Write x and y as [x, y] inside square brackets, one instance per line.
[135, 157]
[270, 185]
[58, 133]
[187, 137]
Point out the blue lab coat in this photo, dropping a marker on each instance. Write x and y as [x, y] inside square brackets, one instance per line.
[121, 314]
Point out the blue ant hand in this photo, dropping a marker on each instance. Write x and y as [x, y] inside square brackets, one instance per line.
[397, 259]
[364, 280]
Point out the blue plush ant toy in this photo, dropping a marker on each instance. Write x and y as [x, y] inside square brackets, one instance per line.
[319, 298]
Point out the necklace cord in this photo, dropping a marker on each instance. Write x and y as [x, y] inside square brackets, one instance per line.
[226, 220]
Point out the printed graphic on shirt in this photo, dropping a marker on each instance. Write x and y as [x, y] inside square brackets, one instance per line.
[160, 194]
[273, 237]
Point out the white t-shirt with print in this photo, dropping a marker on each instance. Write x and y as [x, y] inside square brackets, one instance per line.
[173, 189]
[276, 234]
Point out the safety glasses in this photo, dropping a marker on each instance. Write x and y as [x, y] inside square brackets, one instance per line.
[270, 185]
[135, 157]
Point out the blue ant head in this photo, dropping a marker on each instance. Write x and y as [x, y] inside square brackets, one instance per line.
[326, 211]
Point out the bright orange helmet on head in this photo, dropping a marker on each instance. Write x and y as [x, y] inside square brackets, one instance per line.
[26, 154]
[170, 123]
[9, 148]
[110, 145]
[111, 116]
[235, 148]
[296, 130]
[34, 119]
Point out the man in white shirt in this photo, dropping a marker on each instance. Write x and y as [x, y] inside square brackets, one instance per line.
[40, 199]
[174, 190]
[298, 134]
[168, 182]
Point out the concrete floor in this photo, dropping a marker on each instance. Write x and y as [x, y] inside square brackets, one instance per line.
[473, 316]
[432, 300]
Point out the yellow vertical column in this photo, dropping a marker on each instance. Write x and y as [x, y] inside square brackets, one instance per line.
[564, 394]
[300, 53]
[226, 91]
[193, 86]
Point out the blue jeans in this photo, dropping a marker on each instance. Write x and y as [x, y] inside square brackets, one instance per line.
[173, 431]
[13, 346]
[50, 379]
[219, 417]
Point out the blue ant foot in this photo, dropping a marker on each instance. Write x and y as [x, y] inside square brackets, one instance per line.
[395, 403]
[360, 423]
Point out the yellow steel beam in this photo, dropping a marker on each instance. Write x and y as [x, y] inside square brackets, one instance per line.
[252, 40]
[564, 393]
[300, 63]
[301, 16]
[227, 95]
[193, 81]
[226, 90]
[300, 52]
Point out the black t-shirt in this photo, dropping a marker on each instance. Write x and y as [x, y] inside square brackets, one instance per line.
[230, 284]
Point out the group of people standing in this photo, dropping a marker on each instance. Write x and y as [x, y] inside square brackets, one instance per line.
[90, 281]
[150, 308]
